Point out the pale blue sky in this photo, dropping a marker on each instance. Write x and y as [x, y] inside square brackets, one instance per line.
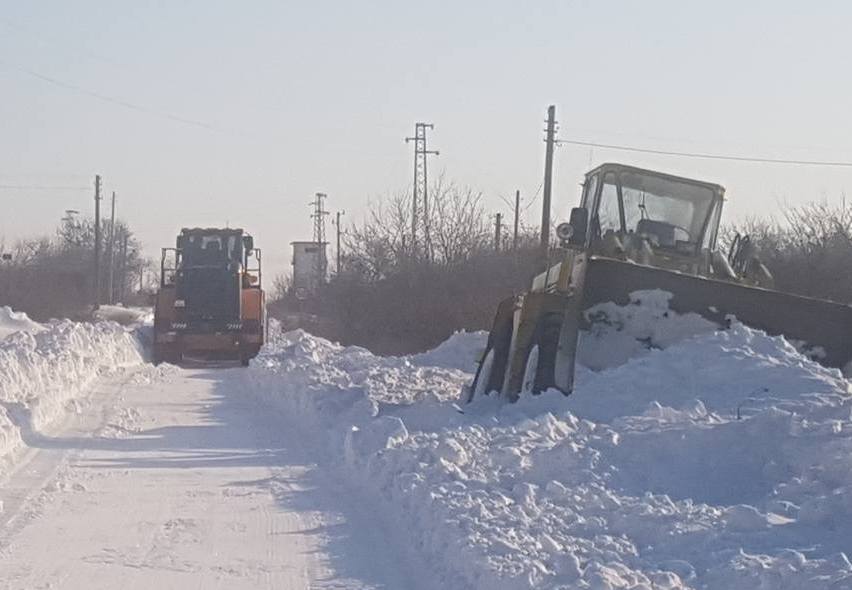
[318, 96]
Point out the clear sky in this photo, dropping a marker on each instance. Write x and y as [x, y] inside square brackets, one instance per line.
[238, 112]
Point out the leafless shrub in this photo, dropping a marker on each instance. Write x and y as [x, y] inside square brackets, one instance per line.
[809, 251]
[54, 276]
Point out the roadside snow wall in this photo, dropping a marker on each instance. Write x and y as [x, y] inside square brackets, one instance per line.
[16, 321]
[43, 370]
[721, 460]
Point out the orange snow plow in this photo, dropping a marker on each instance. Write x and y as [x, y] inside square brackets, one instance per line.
[210, 303]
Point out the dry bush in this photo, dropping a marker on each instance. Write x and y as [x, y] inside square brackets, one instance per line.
[53, 276]
[809, 251]
[392, 301]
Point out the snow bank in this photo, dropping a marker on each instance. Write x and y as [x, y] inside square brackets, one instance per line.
[42, 371]
[619, 333]
[126, 316]
[460, 351]
[16, 321]
[715, 460]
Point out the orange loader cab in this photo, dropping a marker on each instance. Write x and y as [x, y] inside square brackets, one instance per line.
[210, 304]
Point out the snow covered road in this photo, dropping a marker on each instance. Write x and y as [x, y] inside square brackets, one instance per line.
[176, 479]
[686, 459]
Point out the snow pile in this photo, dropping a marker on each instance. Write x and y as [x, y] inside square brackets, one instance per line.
[721, 460]
[460, 351]
[618, 333]
[16, 321]
[41, 372]
[126, 316]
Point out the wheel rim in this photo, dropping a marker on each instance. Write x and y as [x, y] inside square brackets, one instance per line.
[480, 388]
[530, 371]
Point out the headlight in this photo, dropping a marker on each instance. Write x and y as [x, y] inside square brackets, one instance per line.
[565, 231]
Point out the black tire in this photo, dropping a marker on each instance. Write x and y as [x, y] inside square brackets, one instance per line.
[165, 353]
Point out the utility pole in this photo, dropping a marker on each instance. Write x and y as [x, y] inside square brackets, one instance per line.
[111, 253]
[123, 265]
[420, 190]
[319, 234]
[97, 295]
[550, 140]
[339, 231]
[498, 231]
[517, 212]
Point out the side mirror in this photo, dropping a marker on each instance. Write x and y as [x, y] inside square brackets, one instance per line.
[248, 243]
[574, 232]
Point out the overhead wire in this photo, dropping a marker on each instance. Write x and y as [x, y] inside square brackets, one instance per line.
[705, 156]
[116, 101]
[40, 187]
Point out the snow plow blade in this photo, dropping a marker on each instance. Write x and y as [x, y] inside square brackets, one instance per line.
[818, 324]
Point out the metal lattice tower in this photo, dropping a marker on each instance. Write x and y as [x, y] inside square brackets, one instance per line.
[420, 194]
[318, 216]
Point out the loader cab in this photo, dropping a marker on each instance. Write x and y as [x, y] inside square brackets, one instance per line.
[208, 269]
[674, 215]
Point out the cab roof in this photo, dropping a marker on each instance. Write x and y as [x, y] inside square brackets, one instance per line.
[615, 167]
[212, 230]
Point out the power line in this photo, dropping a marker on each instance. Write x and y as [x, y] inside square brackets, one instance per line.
[38, 187]
[535, 198]
[116, 101]
[705, 156]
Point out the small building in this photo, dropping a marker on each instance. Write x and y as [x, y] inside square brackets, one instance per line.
[310, 264]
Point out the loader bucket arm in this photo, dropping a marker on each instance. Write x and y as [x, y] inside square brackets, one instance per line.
[816, 322]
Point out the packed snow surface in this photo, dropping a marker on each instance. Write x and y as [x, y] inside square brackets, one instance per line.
[701, 459]
[686, 458]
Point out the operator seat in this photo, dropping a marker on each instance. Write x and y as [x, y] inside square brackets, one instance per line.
[664, 232]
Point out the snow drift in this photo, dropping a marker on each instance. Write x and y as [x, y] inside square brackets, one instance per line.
[43, 369]
[711, 460]
[16, 321]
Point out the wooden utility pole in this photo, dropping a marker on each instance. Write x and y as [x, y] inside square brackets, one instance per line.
[123, 265]
[337, 224]
[517, 212]
[550, 140]
[97, 294]
[111, 253]
[498, 231]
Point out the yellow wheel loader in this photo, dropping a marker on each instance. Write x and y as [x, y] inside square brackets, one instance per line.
[210, 304]
[635, 230]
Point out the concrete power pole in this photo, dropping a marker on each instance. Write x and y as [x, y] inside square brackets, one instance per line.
[97, 294]
[498, 231]
[420, 190]
[550, 140]
[517, 212]
[111, 253]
